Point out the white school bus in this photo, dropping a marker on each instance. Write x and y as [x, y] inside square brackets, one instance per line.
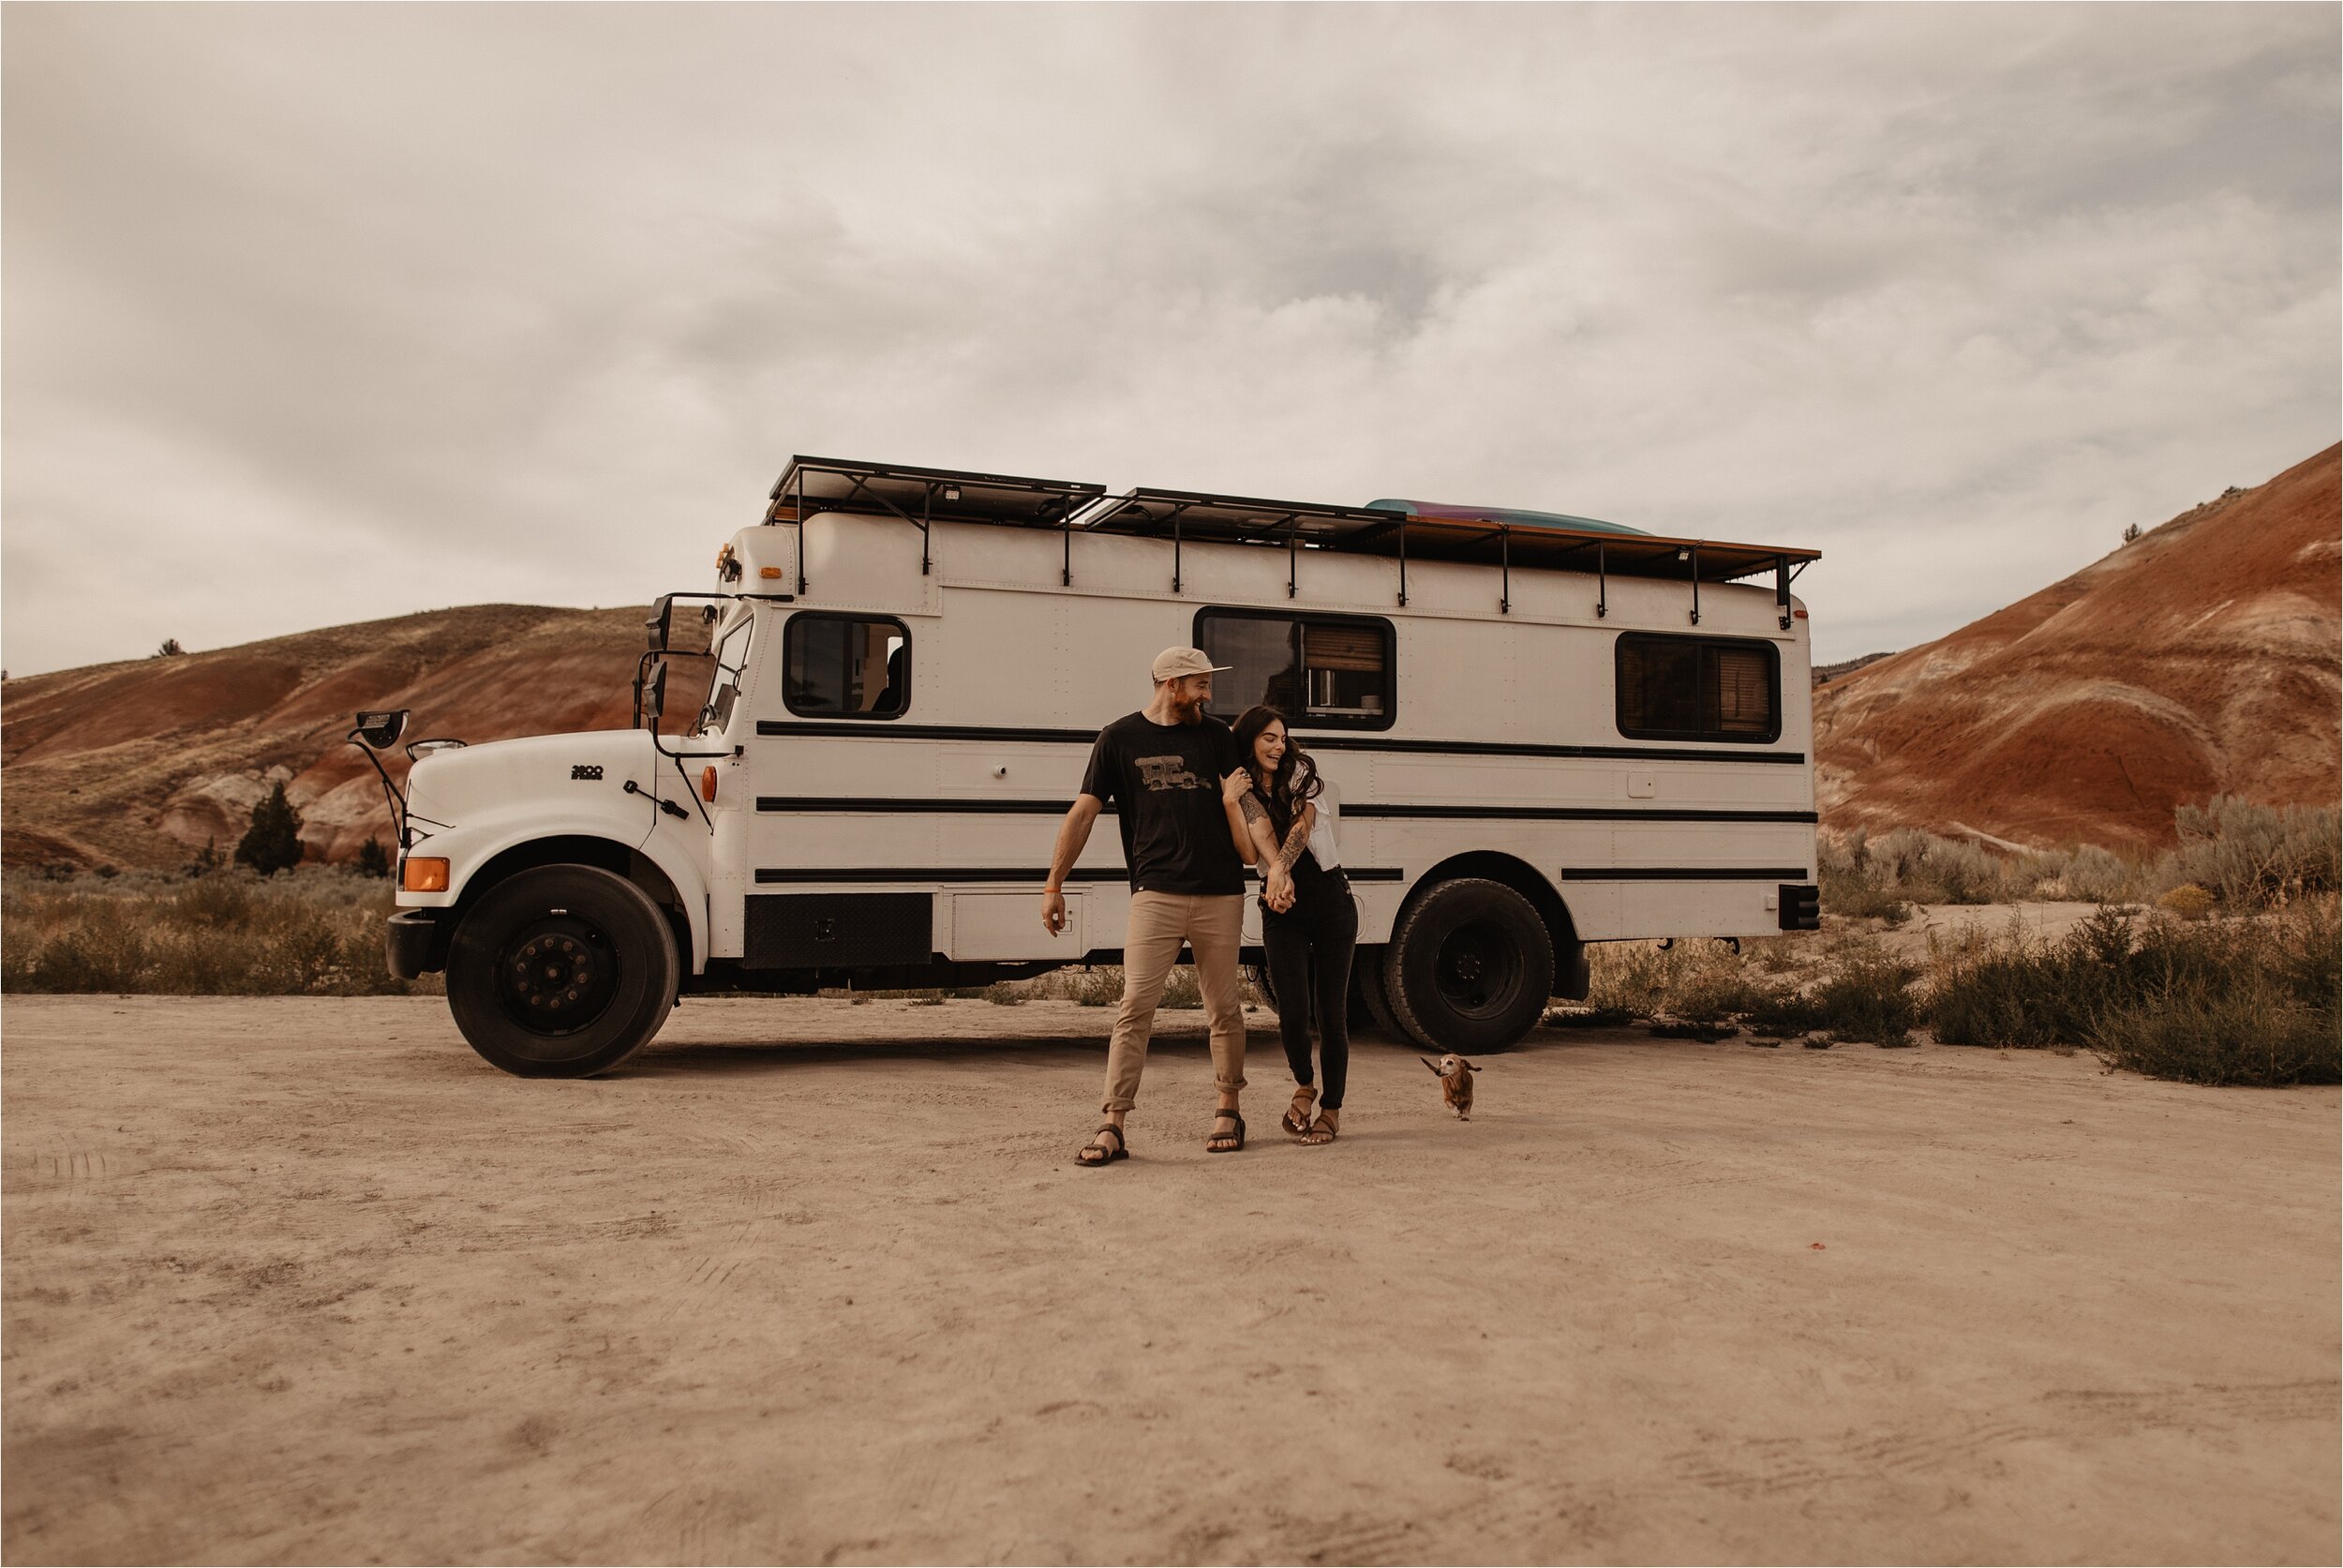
[1546, 731]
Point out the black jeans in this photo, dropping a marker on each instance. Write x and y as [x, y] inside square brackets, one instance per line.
[1308, 954]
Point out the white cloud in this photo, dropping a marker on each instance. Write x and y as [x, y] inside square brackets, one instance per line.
[346, 312]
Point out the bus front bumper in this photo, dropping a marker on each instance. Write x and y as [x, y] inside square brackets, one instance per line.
[415, 942]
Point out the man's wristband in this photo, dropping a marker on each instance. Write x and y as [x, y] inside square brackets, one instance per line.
[1054, 889]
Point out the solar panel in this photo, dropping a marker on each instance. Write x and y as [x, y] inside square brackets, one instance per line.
[925, 495]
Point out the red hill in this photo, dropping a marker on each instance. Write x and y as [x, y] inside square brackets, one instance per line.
[2199, 658]
[138, 764]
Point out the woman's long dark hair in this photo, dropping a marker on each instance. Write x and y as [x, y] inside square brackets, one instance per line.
[1294, 783]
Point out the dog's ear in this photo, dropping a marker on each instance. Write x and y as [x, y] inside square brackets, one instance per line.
[1467, 1066]
[1429, 1066]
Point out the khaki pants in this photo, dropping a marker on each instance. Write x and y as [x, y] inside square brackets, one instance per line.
[1214, 925]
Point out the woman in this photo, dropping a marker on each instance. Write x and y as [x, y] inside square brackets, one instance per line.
[1307, 943]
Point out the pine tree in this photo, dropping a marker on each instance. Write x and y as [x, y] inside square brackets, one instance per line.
[372, 861]
[169, 649]
[272, 842]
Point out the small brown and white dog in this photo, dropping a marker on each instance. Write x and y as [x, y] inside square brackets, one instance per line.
[1455, 1083]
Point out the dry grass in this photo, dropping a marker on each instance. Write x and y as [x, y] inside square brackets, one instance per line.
[314, 932]
[2241, 999]
[2232, 855]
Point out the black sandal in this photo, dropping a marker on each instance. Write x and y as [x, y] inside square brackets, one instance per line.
[1297, 1117]
[1122, 1149]
[1238, 1135]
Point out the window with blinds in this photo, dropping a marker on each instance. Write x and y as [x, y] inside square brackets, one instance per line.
[1672, 688]
[1329, 672]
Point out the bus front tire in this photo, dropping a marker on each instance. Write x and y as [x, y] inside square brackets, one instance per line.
[561, 971]
[1470, 968]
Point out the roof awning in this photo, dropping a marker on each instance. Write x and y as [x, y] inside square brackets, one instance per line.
[925, 495]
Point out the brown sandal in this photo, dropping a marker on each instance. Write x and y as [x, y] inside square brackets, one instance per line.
[1224, 1137]
[1297, 1117]
[1122, 1149]
[1324, 1129]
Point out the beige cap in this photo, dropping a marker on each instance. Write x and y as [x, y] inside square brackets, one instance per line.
[1173, 662]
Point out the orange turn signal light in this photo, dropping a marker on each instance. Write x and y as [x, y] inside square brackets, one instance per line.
[769, 573]
[708, 783]
[423, 874]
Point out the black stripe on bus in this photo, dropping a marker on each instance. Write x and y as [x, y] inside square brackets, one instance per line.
[1683, 873]
[968, 805]
[887, 730]
[767, 876]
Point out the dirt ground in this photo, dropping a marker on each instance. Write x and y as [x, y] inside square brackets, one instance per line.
[304, 1280]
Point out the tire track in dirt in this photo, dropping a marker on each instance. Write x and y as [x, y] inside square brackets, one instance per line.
[1757, 1466]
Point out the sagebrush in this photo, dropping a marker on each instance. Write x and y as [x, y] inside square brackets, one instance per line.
[224, 931]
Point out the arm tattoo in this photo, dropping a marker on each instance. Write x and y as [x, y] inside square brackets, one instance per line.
[1250, 805]
[1297, 840]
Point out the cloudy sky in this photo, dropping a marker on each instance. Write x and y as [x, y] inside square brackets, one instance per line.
[317, 314]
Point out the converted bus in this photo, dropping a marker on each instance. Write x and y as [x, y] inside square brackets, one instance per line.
[1547, 731]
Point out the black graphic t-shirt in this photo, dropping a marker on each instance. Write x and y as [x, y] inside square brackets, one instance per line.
[1164, 784]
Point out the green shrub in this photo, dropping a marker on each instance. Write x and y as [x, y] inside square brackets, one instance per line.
[2235, 1001]
[1587, 1018]
[1099, 988]
[1867, 997]
[2246, 1033]
[1781, 1014]
[1180, 991]
[1856, 896]
[1688, 979]
[2250, 855]
[2019, 991]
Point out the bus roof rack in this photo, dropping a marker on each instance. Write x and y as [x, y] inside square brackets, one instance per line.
[1495, 538]
[1384, 530]
[921, 494]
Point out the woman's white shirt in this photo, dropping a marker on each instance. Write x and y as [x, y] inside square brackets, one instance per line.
[1326, 830]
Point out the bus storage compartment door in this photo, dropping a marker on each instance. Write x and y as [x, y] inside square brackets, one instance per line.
[996, 927]
[822, 931]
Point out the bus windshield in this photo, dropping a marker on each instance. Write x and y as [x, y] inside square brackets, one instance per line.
[729, 652]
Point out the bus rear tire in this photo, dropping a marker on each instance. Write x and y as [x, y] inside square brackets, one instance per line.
[1470, 968]
[1370, 996]
[561, 971]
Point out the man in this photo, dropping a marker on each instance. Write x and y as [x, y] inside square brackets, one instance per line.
[1165, 768]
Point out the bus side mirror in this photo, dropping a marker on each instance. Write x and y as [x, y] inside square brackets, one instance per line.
[381, 731]
[655, 626]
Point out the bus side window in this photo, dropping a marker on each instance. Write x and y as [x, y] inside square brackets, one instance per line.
[1684, 688]
[844, 667]
[1326, 671]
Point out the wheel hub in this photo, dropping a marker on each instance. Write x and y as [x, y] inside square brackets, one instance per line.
[1477, 970]
[556, 975]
